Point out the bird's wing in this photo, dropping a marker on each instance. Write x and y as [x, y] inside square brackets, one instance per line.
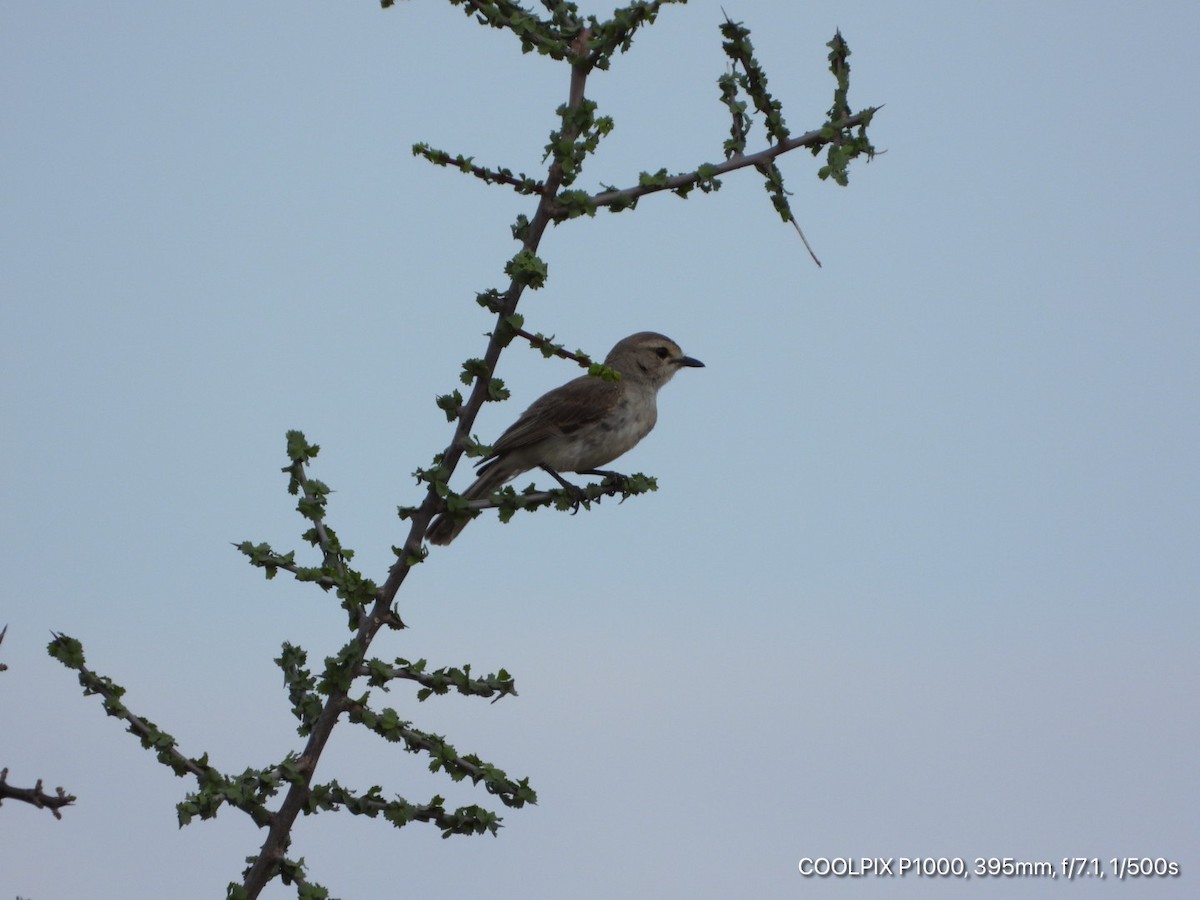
[560, 411]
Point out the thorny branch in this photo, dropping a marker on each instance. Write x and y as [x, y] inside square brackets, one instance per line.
[814, 138]
[585, 45]
[274, 845]
[549, 348]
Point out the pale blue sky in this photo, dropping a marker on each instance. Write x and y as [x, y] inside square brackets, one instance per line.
[921, 575]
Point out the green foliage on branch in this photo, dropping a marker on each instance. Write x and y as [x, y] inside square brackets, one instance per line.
[341, 687]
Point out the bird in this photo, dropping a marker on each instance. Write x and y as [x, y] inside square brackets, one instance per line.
[578, 427]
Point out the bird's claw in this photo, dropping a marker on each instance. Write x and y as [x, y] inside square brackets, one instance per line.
[575, 492]
[578, 496]
[618, 480]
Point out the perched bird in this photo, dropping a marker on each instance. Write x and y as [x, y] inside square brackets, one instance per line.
[580, 426]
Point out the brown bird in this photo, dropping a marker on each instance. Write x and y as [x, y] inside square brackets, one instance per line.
[585, 424]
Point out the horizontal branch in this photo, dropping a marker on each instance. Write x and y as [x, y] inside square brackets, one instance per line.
[439, 681]
[388, 725]
[464, 820]
[593, 492]
[35, 795]
[302, 573]
[810, 139]
[522, 184]
[534, 33]
[549, 348]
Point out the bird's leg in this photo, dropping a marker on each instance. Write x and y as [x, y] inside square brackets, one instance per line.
[575, 491]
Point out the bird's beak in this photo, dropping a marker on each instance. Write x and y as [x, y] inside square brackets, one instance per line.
[689, 361]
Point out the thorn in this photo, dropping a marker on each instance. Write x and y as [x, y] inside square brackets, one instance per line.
[807, 247]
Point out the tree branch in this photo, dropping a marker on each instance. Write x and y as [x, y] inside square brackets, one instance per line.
[35, 795]
[388, 725]
[549, 348]
[522, 184]
[439, 681]
[507, 303]
[811, 139]
[271, 854]
[319, 705]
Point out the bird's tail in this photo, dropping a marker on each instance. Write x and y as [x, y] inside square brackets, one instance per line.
[445, 528]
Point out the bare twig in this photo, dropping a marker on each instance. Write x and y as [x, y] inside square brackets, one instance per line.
[807, 245]
[34, 795]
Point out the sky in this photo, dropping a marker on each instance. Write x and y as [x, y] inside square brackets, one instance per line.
[920, 577]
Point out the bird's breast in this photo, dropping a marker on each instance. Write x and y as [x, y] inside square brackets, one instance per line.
[602, 441]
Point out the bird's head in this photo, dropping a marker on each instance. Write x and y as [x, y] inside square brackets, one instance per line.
[649, 356]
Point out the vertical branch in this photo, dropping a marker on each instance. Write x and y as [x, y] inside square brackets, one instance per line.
[507, 305]
[271, 854]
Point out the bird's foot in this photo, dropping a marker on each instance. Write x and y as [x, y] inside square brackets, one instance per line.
[617, 478]
[575, 492]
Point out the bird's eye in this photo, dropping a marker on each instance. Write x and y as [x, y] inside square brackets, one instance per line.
[663, 352]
